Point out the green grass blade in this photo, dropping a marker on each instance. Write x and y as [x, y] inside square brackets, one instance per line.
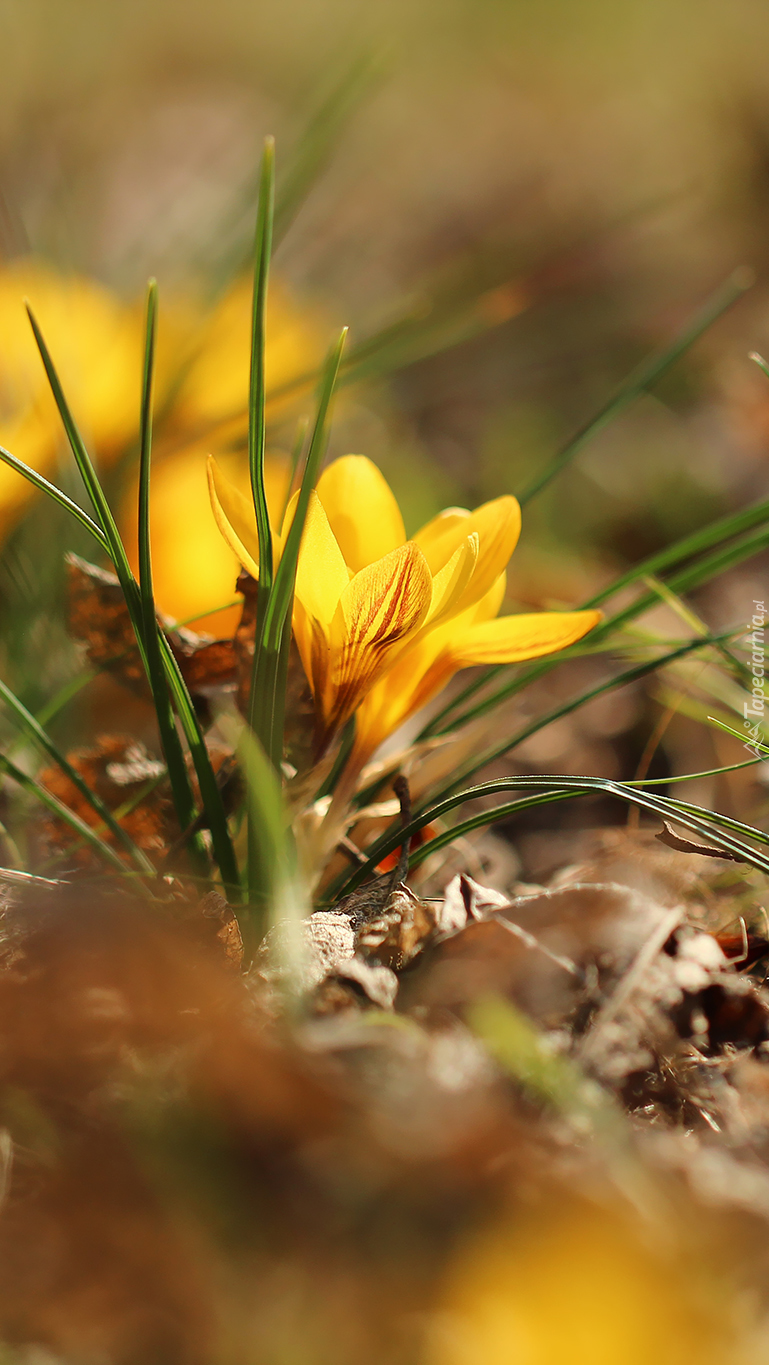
[646, 374]
[608, 685]
[256, 390]
[150, 631]
[273, 632]
[715, 534]
[83, 459]
[56, 495]
[39, 735]
[619, 680]
[173, 753]
[678, 812]
[296, 455]
[64, 813]
[553, 787]
[145, 462]
[677, 809]
[736, 735]
[691, 576]
[276, 897]
[211, 796]
[281, 602]
[268, 705]
[716, 817]
[321, 136]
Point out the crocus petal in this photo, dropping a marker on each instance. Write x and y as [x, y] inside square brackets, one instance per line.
[498, 526]
[361, 510]
[415, 679]
[487, 606]
[450, 581]
[439, 539]
[321, 577]
[321, 573]
[511, 639]
[379, 609]
[235, 518]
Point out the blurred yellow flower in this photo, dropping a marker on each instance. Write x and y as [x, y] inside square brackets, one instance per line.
[201, 391]
[382, 623]
[580, 1286]
[194, 571]
[96, 344]
[214, 386]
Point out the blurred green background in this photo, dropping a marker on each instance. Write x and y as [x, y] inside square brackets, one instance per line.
[615, 158]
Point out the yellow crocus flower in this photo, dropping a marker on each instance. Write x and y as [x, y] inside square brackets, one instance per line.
[96, 343]
[382, 623]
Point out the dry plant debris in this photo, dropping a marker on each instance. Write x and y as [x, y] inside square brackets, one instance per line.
[477, 1105]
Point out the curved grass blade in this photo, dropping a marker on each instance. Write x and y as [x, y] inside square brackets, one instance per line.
[277, 897]
[622, 679]
[64, 813]
[758, 744]
[210, 794]
[109, 539]
[677, 808]
[37, 481]
[544, 789]
[618, 680]
[273, 632]
[646, 374]
[39, 735]
[680, 813]
[717, 533]
[256, 389]
[173, 752]
[150, 633]
[691, 576]
[268, 705]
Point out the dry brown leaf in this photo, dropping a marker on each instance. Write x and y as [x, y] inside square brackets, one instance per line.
[99, 619]
[116, 769]
[400, 930]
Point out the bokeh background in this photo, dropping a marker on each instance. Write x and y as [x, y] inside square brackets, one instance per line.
[544, 192]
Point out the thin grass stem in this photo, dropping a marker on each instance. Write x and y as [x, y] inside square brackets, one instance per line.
[36, 732]
[646, 374]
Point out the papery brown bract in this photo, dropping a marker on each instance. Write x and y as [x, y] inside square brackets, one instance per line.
[117, 768]
[99, 619]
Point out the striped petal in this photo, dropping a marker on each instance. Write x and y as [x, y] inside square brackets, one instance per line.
[380, 608]
[418, 676]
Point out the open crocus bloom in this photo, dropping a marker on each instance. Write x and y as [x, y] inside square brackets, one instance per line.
[382, 623]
